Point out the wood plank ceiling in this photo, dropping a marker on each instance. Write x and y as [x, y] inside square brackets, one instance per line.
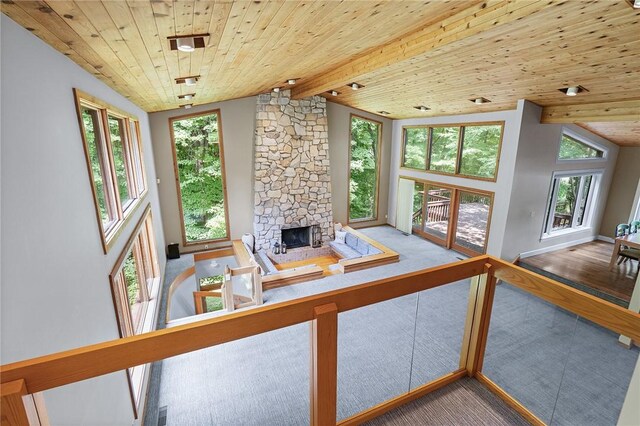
[406, 53]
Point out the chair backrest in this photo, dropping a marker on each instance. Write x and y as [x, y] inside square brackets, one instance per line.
[634, 226]
[622, 229]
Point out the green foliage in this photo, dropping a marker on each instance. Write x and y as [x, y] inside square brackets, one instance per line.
[200, 173]
[131, 279]
[116, 129]
[573, 149]
[213, 304]
[363, 167]
[415, 148]
[88, 117]
[444, 149]
[567, 194]
[480, 150]
[418, 200]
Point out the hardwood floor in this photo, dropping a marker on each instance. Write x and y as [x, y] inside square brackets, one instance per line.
[322, 261]
[588, 264]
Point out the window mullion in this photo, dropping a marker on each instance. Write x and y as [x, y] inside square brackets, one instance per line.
[576, 208]
[552, 207]
[459, 153]
[112, 167]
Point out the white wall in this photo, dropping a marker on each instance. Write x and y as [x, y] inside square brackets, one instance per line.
[339, 117]
[535, 164]
[501, 187]
[54, 279]
[238, 127]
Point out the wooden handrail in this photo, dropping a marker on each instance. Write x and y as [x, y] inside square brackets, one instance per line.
[320, 311]
[71, 366]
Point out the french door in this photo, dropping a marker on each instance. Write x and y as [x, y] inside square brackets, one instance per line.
[456, 218]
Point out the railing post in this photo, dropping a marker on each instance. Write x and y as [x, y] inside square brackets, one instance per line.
[478, 317]
[14, 412]
[324, 365]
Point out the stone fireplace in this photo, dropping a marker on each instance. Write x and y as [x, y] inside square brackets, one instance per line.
[292, 180]
[296, 237]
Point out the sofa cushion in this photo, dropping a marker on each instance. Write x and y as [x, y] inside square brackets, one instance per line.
[351, 240]
[363, 247]
[344, 250]
[374, 250]
[340, 236]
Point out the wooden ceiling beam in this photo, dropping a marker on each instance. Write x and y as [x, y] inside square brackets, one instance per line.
[479, 17]
[595, 112]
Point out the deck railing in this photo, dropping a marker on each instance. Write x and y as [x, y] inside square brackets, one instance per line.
[36, 375]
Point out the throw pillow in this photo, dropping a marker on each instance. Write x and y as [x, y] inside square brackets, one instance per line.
[340, 236]
[337, 226]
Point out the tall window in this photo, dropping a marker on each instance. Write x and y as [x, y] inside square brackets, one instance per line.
[114, 161]
[573, 149]
[570, 202]
[199, 165]
[135, 284]
[467, 150]
[364, 170]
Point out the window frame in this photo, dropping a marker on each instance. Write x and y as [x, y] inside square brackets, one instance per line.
[550, 206]
[176, 172]
[149, 288]
[123, 213]
[377, 192]
[580, 139]
[461, 135]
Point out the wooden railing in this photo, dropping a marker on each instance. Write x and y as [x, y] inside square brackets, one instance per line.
[47, 372]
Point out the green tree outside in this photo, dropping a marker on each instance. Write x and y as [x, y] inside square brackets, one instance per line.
[363, 183]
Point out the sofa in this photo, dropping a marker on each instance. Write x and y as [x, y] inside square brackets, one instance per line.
[353, 247]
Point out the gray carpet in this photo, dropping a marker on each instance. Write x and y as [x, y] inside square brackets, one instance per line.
[465, 402]
[384, 350]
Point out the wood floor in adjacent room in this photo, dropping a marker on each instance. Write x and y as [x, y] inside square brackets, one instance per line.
[325, 262]
[588, 264]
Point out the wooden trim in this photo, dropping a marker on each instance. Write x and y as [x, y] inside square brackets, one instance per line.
[602, 312]
[484, 306]
[511, 401]
[324, 365]
[454, 228]
[403, 399]
[240, 252]
[100, 104]
[469, 336]
[594, 112]
[214, 254]
[174, 285]
[66, 367]
[13, 409]
[379, 154]
[218, 114]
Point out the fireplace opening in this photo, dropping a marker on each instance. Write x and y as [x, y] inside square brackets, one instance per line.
[297, 237]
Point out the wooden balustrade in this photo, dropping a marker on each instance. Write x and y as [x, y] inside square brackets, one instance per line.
[321, 311]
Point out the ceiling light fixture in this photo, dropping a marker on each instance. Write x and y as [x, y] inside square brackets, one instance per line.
[384, 112]
[276, 89]
[187, 106]
[636, 4]
[355, 86]
[573, 90]
[422, 108]
[291, 81]
[187, 97]
[479, 100]
[186, 44]
[190, 81]
[334, 93]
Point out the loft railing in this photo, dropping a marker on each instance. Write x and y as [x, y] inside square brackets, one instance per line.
[36, 375]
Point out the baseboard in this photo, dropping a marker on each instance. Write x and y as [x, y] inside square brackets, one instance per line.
[607, 239]
[526, 254]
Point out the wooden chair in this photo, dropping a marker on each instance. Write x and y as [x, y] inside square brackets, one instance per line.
[626, 253]
[634, 226]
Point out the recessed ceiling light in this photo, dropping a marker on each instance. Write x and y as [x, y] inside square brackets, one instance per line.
[334, 93]
[355, 86]
[636, 4]
[276, 89]
[573, 90]
[190, 81]
[422, 108]
[186, 44]
[480, 100]
[187, 106]
[187, 97]
[384, 112]
[291, 81]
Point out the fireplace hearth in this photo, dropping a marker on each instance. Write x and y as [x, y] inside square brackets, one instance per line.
[297, 237]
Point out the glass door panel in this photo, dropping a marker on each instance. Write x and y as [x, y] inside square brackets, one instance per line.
[472, 222]
[438, 208]
[418, 201]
